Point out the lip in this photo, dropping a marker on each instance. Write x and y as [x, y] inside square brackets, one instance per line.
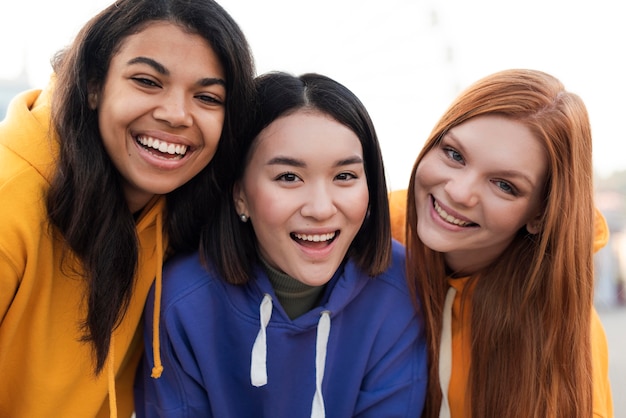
[157, 159]
[461, 222]
[316, 245]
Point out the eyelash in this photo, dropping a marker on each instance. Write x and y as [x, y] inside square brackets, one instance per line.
[145, 81]
[204, 98]
[290, 177]
[449, 152]
[346, 176]
[512, 190]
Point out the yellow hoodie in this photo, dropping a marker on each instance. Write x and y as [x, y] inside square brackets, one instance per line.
[460, 327]
[46, 370]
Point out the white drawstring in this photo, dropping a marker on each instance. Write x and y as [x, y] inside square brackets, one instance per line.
[258, 364]
[445, 353]
[323, 330]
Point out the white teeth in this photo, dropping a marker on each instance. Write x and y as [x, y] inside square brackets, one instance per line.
[449, 218]
[164, 147]
[316, 238]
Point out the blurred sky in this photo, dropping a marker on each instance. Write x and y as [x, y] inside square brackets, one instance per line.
[405, 59]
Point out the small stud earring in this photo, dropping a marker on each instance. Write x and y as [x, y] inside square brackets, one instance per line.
[243, 217]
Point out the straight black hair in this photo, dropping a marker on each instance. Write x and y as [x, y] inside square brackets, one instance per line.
[231, 245]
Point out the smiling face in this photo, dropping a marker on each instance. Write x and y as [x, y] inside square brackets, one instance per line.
[477, 188]
[160, 110]
[306, 194]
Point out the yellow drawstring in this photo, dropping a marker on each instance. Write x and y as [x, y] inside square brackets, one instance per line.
[111, 375]
[156, 347]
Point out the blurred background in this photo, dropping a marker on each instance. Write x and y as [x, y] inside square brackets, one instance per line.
[406, 60]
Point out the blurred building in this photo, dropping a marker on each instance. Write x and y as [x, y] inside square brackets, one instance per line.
[610, 261]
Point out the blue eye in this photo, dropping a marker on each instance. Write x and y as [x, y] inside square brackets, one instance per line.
[506, 187]
[453, 154]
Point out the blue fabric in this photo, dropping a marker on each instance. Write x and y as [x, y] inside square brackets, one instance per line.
[375, 365]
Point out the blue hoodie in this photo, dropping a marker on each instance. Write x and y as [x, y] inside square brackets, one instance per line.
[232, 351]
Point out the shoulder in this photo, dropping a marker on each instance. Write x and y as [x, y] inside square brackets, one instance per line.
[396, 271]
[184, 277]
[395, 275]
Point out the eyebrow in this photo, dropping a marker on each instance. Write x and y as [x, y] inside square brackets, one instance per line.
[280, 160]
[160, 68]
[516, 174]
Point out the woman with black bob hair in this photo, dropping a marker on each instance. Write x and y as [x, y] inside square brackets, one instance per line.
[303, 241]
[105, 174]
[282, 94]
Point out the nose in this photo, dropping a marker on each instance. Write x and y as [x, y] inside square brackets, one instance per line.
[319, 203]
[174, 110]
[463, 190]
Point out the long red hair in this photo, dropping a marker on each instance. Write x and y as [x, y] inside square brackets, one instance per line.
[531, 309]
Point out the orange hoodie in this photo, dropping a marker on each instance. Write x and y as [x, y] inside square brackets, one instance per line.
[46, 370]
[460, 329]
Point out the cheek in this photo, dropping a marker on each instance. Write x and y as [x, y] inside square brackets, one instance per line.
[113, 136]
[359, 205]
[205, 157]
[211, 129]
[264, 206]
[426, 174]
[508, 219]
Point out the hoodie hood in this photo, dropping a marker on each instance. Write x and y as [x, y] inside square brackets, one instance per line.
[32, 137]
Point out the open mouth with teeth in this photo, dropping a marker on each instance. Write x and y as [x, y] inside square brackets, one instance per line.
[316, 240]
[162, 149]
[449, 218]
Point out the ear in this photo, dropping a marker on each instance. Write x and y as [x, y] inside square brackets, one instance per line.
[533, 226]
[239, 199]
[92, 96]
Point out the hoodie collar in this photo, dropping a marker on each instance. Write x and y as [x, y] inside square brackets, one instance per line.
[345, 285]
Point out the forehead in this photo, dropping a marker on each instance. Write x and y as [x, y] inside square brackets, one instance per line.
[160, 36]
[305, 132]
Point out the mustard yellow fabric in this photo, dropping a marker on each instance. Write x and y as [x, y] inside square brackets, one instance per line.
[46, 371]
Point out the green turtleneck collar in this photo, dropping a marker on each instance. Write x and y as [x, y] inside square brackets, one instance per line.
[295, 297]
